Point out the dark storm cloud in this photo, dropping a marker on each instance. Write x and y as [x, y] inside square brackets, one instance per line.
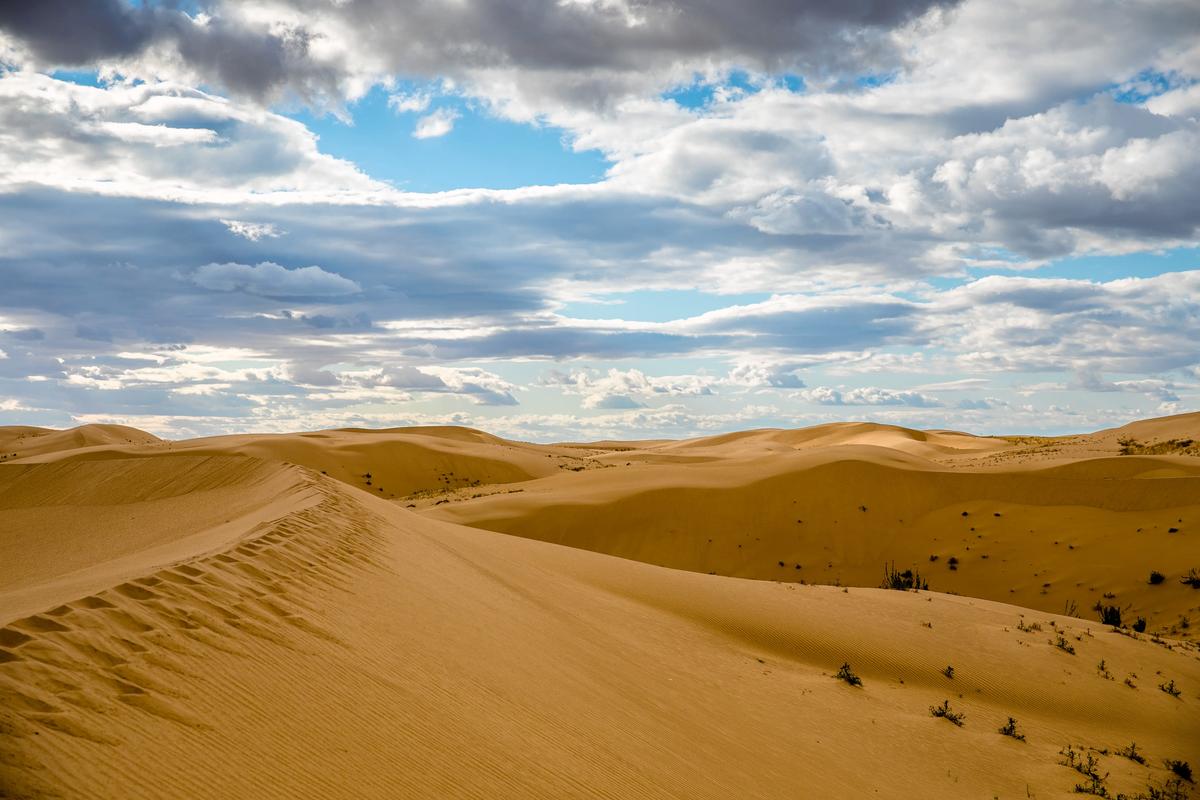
[592, 46]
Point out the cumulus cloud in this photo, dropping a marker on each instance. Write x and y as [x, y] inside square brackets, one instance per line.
[590, 50]
[272, 280]
[252, 231]
[159, 140]
[631, 388]
[483, 387]
[439, 123]
[867, 396]
[409, 102]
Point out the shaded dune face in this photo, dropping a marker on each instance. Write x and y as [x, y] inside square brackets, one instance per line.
[1042, 538]
[263, 630]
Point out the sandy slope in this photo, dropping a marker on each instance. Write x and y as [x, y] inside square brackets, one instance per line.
[393, 463]
[1025, 522]
[22, 441]
[347, 647]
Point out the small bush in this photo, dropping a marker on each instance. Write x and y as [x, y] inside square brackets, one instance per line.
[945, 712]
[1010, 729]
[1087, 767]
[949, 672]
[1181, 768]
[1173, 789]
[952, 562]
[1132, 753]
[1170, 688]
[846, 674]
[1062, 644]
[902, 581]
[1156, 577]
[1109, 615]
[1139, 625]
[1192, 579]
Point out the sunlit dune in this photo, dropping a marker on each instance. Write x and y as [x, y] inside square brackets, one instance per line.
[250, 616]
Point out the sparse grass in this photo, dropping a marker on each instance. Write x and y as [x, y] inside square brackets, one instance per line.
[903, 581]
[846, 674]
[1173, 789]
[1062, 644]
[1033, 626]
[1102, 670]
[945, 712]
[1009, 729]
[1132, 447]
[1192, 579]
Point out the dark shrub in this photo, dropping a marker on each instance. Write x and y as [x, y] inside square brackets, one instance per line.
[846, 674]
[1109, 615]
[1181, 768]
[908, 579]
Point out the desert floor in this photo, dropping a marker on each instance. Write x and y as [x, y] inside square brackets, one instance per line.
[438, 612]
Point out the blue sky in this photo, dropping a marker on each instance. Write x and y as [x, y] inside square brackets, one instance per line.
[591, 220]
[481, 150]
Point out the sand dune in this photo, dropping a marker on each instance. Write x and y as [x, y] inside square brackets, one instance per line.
[23, 441]
[1056, 537]
[215, 619]
[393, 463]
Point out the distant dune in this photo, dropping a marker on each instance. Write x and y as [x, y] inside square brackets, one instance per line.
[218, 618]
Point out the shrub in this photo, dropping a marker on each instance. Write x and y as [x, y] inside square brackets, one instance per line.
[1192, 579]
[1170, 688]
[846, 674]
[902, 581]
[952, 562]
[1087, 767]
[1109, 615]
[945, 712]
[949, 672]
[1132, 754]
[1140, 625]
[1181, 768]
[1156, 577]
[1062, 644]
[1010, 729]
[1173, 789]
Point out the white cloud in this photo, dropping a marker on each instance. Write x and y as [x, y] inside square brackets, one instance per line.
[409, 103]
[252, 231]
[631, 388]
[867, 396]
[439, 123]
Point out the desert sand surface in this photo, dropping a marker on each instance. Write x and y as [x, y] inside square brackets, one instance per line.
[247, 616]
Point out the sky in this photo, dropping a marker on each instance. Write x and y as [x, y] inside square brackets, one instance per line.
[580, 219]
